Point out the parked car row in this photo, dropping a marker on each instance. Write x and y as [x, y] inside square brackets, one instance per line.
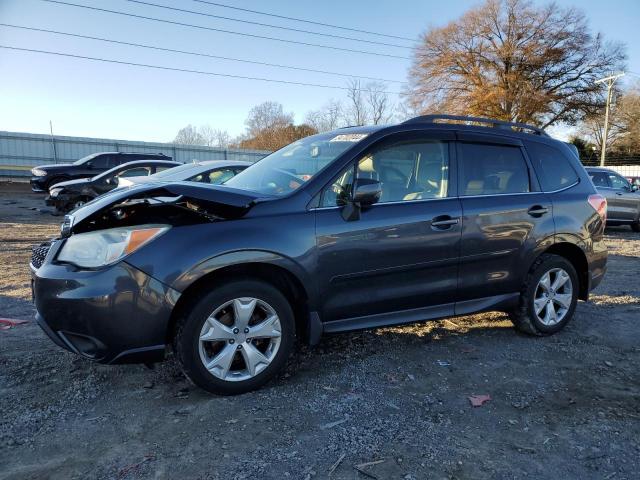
[68, 195]
[357, 228]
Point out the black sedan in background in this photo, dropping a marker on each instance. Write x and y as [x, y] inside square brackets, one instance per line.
[45, 176]
[66, 196]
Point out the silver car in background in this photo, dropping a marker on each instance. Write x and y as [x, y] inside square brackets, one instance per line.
[623, 198]
[214, 172]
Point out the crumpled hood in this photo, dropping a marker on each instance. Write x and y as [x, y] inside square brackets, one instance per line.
[216, 200]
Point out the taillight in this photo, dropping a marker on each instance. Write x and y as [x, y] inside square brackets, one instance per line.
[599, 204]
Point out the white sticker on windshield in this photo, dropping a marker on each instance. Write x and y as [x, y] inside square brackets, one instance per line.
[349, 137]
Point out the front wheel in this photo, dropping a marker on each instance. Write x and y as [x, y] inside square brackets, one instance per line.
[548, 298]
[236, 337]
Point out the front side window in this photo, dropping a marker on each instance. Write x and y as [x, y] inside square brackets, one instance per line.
[618, 182]
[554, 170]
[286, 170]
[102, 161]
[492, 170]
[406, 171]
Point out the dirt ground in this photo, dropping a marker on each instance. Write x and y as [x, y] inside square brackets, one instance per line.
[566, 406]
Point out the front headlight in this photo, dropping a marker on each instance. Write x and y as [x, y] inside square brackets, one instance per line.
[54, 192]
[104, 247]
[37, 172]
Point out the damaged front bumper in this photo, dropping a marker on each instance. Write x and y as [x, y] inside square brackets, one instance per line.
[116, 314]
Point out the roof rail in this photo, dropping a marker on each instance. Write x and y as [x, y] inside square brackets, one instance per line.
[489, 121]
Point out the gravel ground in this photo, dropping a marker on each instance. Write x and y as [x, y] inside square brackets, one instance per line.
[391, 402]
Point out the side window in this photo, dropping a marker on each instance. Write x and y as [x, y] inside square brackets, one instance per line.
[618, 182]
[554, 169]
[200, 178]
[406, 171]
[135, 172]
[492, 170]
[599, 179]
[101, 161]
[218, 177]
[162, 169]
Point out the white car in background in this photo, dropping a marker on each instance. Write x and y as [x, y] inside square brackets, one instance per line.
[214, 172]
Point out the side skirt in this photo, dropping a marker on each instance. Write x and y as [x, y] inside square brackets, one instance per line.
[497, 302]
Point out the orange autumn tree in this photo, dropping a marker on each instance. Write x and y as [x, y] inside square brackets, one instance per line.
[513, 60]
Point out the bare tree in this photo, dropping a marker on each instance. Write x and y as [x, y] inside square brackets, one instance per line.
[328, 117]
[356, 111]
[513, 60]
[269, 128]
[266, 116]
[214, 137]
[189, 136]
[380, 108]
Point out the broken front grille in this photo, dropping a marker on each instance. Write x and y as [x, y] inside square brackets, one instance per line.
[39, 253]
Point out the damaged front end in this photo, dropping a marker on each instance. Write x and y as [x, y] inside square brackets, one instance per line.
[175, 204]
[91, 298]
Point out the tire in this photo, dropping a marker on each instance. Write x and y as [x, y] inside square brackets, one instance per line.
[635, 227]
[525, 318]
[192, 353]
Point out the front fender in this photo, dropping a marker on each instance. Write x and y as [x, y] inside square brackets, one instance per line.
[243, 257]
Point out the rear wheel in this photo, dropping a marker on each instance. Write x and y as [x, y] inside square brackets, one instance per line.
[548, 298]
[236, 337]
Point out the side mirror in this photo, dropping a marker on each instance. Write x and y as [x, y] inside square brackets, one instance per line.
[634, 187]
[366, 193]
[110, 180]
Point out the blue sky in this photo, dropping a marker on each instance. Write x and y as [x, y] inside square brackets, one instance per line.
[115, 101]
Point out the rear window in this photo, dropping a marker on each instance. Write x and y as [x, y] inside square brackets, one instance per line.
[493, 170]
[554, 169]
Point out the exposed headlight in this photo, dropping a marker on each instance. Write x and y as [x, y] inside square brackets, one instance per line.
[104, 247]
[54, 192]
[37, 172]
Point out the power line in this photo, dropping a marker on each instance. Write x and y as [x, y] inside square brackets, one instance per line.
[173, 22]
[199, 54]
[175, 9]
[303, 20]
[186, 70]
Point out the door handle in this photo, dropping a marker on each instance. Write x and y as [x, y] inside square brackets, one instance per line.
[444, 222]
[619, 193]
[537, 211]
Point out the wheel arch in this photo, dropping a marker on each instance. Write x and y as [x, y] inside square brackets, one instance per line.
[578, 259]
[277, 275]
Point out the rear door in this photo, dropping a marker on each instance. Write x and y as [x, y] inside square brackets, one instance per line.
[504, 216]
[402, 253]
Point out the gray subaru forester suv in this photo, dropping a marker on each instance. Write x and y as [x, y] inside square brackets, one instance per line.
[357, 228]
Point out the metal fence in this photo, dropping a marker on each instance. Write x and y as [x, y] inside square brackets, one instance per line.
[627, 165]
[20, 152]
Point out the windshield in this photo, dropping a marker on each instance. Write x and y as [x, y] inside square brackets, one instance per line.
[84, 159]
[287, 169]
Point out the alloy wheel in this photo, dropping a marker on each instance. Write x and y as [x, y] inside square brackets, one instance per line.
[240, 339]
[553, 297]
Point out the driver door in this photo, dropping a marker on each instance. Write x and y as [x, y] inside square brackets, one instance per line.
[402, 253]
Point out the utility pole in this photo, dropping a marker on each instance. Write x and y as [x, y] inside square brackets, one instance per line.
[53, 142]
[610, 80]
